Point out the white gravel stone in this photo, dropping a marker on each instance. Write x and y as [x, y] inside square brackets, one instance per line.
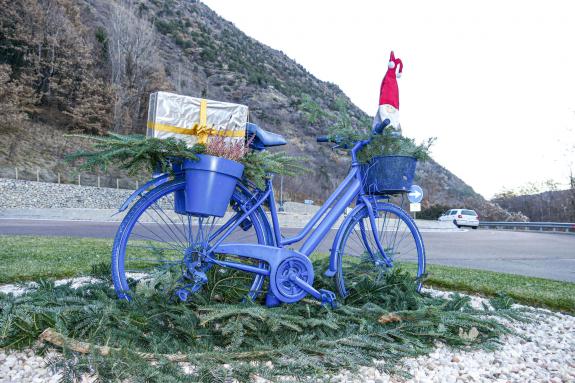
[19, 289]
[25, 366]
[542, 350]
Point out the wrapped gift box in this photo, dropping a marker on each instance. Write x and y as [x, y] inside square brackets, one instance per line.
[193, 119]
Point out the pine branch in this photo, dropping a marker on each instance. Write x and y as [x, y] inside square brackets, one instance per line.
[386, 143]
[299, 339]
[52, 336]
[259, 164]
[135, 153]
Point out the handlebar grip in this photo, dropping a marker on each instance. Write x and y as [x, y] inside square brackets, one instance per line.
[322, 139]
[378, 129]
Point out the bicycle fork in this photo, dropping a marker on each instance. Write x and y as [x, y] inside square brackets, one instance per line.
[371, 215]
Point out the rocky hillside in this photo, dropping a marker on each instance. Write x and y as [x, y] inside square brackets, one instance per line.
[89, 65]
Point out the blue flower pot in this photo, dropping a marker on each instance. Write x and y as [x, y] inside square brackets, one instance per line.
[210, 183]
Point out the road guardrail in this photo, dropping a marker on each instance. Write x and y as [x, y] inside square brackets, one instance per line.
[538, 226]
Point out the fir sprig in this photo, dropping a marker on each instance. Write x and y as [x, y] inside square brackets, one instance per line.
[135, 153]
[389, 142]
[259, 164]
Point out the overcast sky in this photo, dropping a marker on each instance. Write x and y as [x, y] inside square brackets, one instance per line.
[494, 81]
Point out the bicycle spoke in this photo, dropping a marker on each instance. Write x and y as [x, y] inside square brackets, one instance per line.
[169, 227]
[158, 225]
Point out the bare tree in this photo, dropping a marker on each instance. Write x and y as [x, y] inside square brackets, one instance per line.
[134, 63]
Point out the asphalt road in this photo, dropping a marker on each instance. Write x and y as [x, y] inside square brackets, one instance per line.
[543, 255]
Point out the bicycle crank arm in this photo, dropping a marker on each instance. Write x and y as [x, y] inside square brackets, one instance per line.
[325, 296]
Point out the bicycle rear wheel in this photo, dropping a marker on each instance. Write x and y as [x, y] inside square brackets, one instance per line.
[160, 249]
[357, 255]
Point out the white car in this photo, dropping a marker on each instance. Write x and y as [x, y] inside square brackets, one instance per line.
[461, 217]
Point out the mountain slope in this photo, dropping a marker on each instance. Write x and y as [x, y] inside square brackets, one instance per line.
[125, 52]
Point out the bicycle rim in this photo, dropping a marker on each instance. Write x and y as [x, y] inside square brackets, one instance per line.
[155, 247]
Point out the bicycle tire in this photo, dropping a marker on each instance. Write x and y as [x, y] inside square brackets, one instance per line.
[357, 256]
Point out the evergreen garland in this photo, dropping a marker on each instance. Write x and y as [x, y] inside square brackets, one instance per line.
[389, 143]
[138, 153]
[226, 340]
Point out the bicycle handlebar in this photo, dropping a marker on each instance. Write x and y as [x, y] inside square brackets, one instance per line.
[377, 129]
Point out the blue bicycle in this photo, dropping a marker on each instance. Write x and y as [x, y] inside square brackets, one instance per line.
[243, 252]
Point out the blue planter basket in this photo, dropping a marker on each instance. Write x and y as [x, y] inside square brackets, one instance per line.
[388, 174]
[210, 183]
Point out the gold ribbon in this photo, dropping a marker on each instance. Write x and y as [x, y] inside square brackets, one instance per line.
[203, 128]
[195, 130]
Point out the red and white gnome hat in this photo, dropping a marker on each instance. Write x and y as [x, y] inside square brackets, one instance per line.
[389, 92]
[389, 96]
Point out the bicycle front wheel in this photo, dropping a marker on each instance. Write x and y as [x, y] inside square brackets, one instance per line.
[357, 254]
[157, 248]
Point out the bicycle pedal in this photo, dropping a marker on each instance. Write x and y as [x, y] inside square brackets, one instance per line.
[183, 294]
[328, 297]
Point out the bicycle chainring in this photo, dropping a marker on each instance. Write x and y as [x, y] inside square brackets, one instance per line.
[288, 291]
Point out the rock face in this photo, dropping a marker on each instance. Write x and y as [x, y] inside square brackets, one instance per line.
[198, 53]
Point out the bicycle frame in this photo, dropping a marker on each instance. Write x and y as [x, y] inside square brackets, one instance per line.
[348, 191]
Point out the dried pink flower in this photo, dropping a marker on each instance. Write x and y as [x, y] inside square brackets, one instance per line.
[222, 146]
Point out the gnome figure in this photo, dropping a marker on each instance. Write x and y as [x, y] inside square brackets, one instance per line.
[389, 96]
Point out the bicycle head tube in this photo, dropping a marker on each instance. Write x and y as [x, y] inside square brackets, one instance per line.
[356, 148]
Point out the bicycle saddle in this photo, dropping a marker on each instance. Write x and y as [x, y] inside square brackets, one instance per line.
[263, 139]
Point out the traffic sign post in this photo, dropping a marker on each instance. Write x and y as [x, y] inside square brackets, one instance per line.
[414, 207]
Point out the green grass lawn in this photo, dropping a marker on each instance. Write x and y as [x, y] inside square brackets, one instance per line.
[527, 290]
[24, 258]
